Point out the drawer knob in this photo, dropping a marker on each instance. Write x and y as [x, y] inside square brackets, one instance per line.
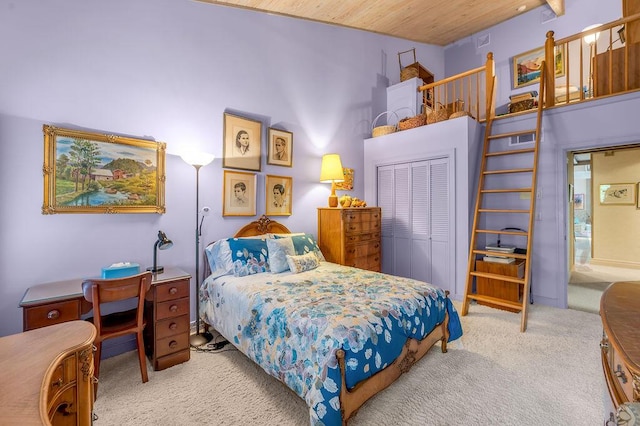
[173, 290]
[57, 383]
[352, 217]
[376, 246]
[604, 345]
[173, 308]
[173, 344]
[620, 374]
[53, 314]
[352, 228]
[173, 326]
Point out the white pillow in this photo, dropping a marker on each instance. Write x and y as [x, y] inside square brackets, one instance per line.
[278, 251]
[302, 262]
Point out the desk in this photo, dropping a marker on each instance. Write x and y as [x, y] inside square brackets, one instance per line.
[47, 375]
[167, 306]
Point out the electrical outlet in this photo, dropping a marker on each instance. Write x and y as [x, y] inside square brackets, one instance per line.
[539, 194]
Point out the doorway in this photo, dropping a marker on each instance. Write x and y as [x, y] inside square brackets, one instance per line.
[588, 278]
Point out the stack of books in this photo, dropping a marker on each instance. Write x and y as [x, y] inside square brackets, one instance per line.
[497, 250]
[523, 96]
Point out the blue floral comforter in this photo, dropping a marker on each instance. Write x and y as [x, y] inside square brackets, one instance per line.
[293, 324]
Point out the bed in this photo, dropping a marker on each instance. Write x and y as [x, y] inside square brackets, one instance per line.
[335, 335]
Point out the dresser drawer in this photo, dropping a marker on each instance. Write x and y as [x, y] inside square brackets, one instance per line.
[51, 313]
[63, 375]
[624, 378]
[371, 262]
[361, 227]
[172, 344]
[172, 308]
[173, 359]
[172, 290]
[352, 251]
[170, 326]
[63, 410]
[364, 215]
[356, 238]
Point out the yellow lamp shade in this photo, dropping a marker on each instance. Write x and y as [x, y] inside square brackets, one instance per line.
[331, 172]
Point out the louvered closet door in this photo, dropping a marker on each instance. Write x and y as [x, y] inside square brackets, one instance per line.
[415, 220]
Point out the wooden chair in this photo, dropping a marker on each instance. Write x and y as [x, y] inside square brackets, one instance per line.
[100, 291]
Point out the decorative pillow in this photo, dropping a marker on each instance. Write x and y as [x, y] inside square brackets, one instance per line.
[220, 257]
[278, 251]
[303, 262]
[306, 243]
[249, 256]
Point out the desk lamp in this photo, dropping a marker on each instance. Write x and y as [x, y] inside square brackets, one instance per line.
[331, 172]
[163, 243]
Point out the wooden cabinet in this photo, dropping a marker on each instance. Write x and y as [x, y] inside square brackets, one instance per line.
[49, 372]
[620, 345]
[167, 308]
[613, 63]
[504, 290]
[351, 236]
[631, 7]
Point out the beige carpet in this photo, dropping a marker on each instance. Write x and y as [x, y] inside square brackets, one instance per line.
[550, 375]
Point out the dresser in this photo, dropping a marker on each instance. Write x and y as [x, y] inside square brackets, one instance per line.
[47, 375]
[167, 308]
[620, 345]
[351, 236]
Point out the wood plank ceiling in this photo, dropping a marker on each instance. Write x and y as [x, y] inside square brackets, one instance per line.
[438, 22]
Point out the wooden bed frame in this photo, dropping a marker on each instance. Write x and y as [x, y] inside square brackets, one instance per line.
[412, 352]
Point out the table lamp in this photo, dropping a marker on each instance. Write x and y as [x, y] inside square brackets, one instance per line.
[162, 243]
[331, 172]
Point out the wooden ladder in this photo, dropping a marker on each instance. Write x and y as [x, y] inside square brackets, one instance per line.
[499, 299]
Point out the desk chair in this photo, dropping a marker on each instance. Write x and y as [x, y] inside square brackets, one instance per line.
[100, 291]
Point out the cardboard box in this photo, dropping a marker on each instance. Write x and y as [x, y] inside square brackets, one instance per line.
[119, 270]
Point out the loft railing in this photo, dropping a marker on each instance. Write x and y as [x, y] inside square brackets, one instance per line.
[598, 62]
[466, 91]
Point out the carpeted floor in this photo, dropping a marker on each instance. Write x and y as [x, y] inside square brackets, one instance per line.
[587, 282]
[494, 375]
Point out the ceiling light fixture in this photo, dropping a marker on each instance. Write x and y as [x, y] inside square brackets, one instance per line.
[521, 8]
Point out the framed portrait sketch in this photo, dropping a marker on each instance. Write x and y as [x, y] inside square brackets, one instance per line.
[278, 195]
[618, 194]
[239, 194]
[526, 66]
[242, 143]
[280, 143]
[86, 172]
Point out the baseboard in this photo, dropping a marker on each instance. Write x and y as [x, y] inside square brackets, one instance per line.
[118, 345]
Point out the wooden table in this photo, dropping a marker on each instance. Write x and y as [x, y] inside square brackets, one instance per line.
[167, 307]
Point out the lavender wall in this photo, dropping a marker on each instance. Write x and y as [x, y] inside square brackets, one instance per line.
[167, 70]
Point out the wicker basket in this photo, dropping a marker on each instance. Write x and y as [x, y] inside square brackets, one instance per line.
[383, 130]
[458, 114]
[411, 121]
[408, 73]
[439, 114]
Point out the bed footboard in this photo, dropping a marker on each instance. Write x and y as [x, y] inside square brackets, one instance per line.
[412, 352]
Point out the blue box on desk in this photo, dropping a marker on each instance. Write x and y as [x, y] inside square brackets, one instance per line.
[119, 271]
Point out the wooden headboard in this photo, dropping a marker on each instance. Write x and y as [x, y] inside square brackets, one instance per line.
[261, 226]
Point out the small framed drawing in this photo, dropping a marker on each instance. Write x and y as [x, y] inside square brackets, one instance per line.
[578, 201]
[618, 194]
[280, 143]
[86, 172]
[526, 66]
[242, 143]
[278, 193]
[347, 184]
[239, 194]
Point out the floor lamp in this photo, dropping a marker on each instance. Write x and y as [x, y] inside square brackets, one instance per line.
[591, 39]
[197, 160]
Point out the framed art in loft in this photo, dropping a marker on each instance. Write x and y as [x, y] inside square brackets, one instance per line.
[239, 194]
[280, 148]
[278, 195]
[526, 66]
[87, 172]
[242, 143]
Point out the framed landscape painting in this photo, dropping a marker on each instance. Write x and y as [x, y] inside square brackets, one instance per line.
[526, 66]
[86, 172]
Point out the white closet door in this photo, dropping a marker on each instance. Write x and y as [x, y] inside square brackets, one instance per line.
[385, 202]
[441, 216]
[402, 220]
[420, 221]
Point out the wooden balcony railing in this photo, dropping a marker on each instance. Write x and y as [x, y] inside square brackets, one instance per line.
[466, 91]
[597, 62]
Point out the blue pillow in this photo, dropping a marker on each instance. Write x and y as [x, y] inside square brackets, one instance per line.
[304, 244]
[249, 256]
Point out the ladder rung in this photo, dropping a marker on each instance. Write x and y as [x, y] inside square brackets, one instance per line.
[500, 254]
[495, 191]
[498, 231]
[502, 211]
[510, 134]
[496, 172]
[498, 277]
[495, 301]
[510, 152]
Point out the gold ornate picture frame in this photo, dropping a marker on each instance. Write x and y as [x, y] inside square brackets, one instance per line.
[278, 195]
[87, 172]
[280, 148]
[526, 66]
[242, 143]
[239, 193]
